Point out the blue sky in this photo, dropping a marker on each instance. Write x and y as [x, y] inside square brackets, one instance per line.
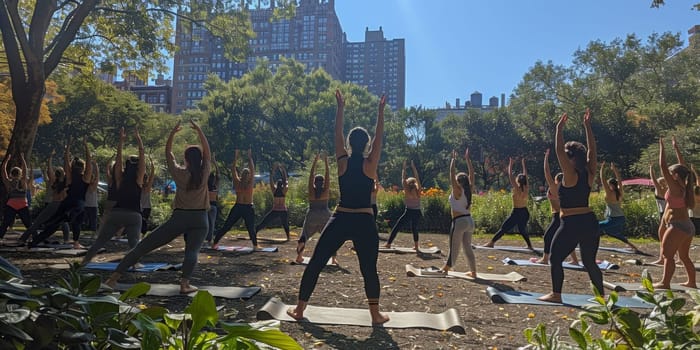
[456, 47]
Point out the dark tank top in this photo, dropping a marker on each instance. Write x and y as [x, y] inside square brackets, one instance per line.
[128, 196]
[577, 195]
[112, 190]
[77, 190]
[355, 186]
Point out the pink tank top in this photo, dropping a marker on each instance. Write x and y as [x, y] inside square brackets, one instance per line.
[675, 202]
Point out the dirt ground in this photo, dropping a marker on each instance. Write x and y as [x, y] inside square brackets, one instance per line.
[488, 325]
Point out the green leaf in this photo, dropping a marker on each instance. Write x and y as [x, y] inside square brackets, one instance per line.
[15, 332]
[135, 291]
[154, 312]
[122, 340]
[262, 332]
[151, 336]
[14, 316]
[172, 322]
[202, 310]
[89, 284]
[677, 304]
[578, 337]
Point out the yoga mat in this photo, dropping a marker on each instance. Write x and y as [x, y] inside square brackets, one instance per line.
[76, 252]
[644, 263]
[629, 287]
[242, 249]
[307, 259]
[262, 239]
[407, 250]
[624, 250]
[513, 249]
[576, 300]
[27, 250]
[56, 246]
[603, 265]
[147, 267]
[167, 290]
[434, 272]
[446, 321]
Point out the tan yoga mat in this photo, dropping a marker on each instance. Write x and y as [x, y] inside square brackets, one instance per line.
[433, 272]
[630, 287]
[167, 290]
[307, 259]
[446, 321]
[408, 250]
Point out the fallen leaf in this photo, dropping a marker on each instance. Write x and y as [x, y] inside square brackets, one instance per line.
[531, 315]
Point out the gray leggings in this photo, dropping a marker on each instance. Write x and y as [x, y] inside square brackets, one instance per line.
[194, 223]
[117, 218]
[461, 237]
[43, 217]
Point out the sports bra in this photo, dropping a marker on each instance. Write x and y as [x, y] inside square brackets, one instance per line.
[577, 195]
[675, 202]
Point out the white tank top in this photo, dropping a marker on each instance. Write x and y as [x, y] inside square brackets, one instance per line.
[459, 205]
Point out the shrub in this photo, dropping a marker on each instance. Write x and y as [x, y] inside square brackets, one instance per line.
[666, 327]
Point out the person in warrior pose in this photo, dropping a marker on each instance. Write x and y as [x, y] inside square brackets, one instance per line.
[614, 223]
[243, 208]
[578, 225]
[412, 213]
[353, 217]
[190, 208]
[462, 222]
[318, 214]
[17, 185]
[520, 215]
[279, 210]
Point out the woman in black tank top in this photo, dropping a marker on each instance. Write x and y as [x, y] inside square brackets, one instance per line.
[579, 226]
[353, 218]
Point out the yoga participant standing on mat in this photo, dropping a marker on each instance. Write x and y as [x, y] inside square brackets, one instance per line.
[55, 192]
[318, 214]
[17, 185]
[462, 223]
[91, 199]
[279, 207]
[412, 213]
[72, 208]
[243, 208]
[553, 197]
[578, 225]
[213, 188]
[111, 189]
[679, 229]
[352, 219]
[189, 210]
[520, 215]
[614, 223]
[127, 209]
[146, 190]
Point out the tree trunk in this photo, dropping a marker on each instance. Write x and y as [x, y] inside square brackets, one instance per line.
[27, 106]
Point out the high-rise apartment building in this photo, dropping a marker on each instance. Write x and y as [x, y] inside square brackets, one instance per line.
[378, 64]
[313, 37]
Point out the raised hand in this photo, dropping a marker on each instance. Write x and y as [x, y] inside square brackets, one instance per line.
[546, 153]
[562, 121]
[587, 117]
[339, 99]
[122, 134]
[382, 102]
[454, 154]
[466, 153]
[177, 127]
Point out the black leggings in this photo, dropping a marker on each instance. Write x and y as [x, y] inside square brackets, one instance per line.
[283, 215]
[245, 211]
[362, 230]
[67, 212]
[518, 217]
[413, 217]
[549, 234]
[581, 230]
[145, 215]
[9, 218]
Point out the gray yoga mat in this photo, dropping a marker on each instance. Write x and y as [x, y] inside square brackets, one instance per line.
[446, 321]
[75, 252]
[434, 272]
[603, 265]
[644, 263]
[407, 250]
[513, 249]
[263, 239]
[167, 290]
[624, 250]
[576, 300]
[630, 287]
[243, 249]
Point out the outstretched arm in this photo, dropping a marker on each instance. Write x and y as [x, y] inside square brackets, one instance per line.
[547, 172]
[677, 150]
[697, 180]
[66, 163]
[169, 156]
[251, 165]
[49, 170]
[511, 177]
[327, 174]
[453, 175]
[5, 174]
[151, 174]
[617, 177]
[272, 176]
[87, 174]
[603, 183]
[415, 174]
[376, 152]
[206, 151]
[522, 163]
[470, 170]
[591, 144]
[141, 171]
[312, 175]
[119, 165]
[234, 171]
[339, 137]
[403, 174]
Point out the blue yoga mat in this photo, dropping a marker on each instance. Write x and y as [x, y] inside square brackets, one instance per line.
[576, 300]
[147, 267]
